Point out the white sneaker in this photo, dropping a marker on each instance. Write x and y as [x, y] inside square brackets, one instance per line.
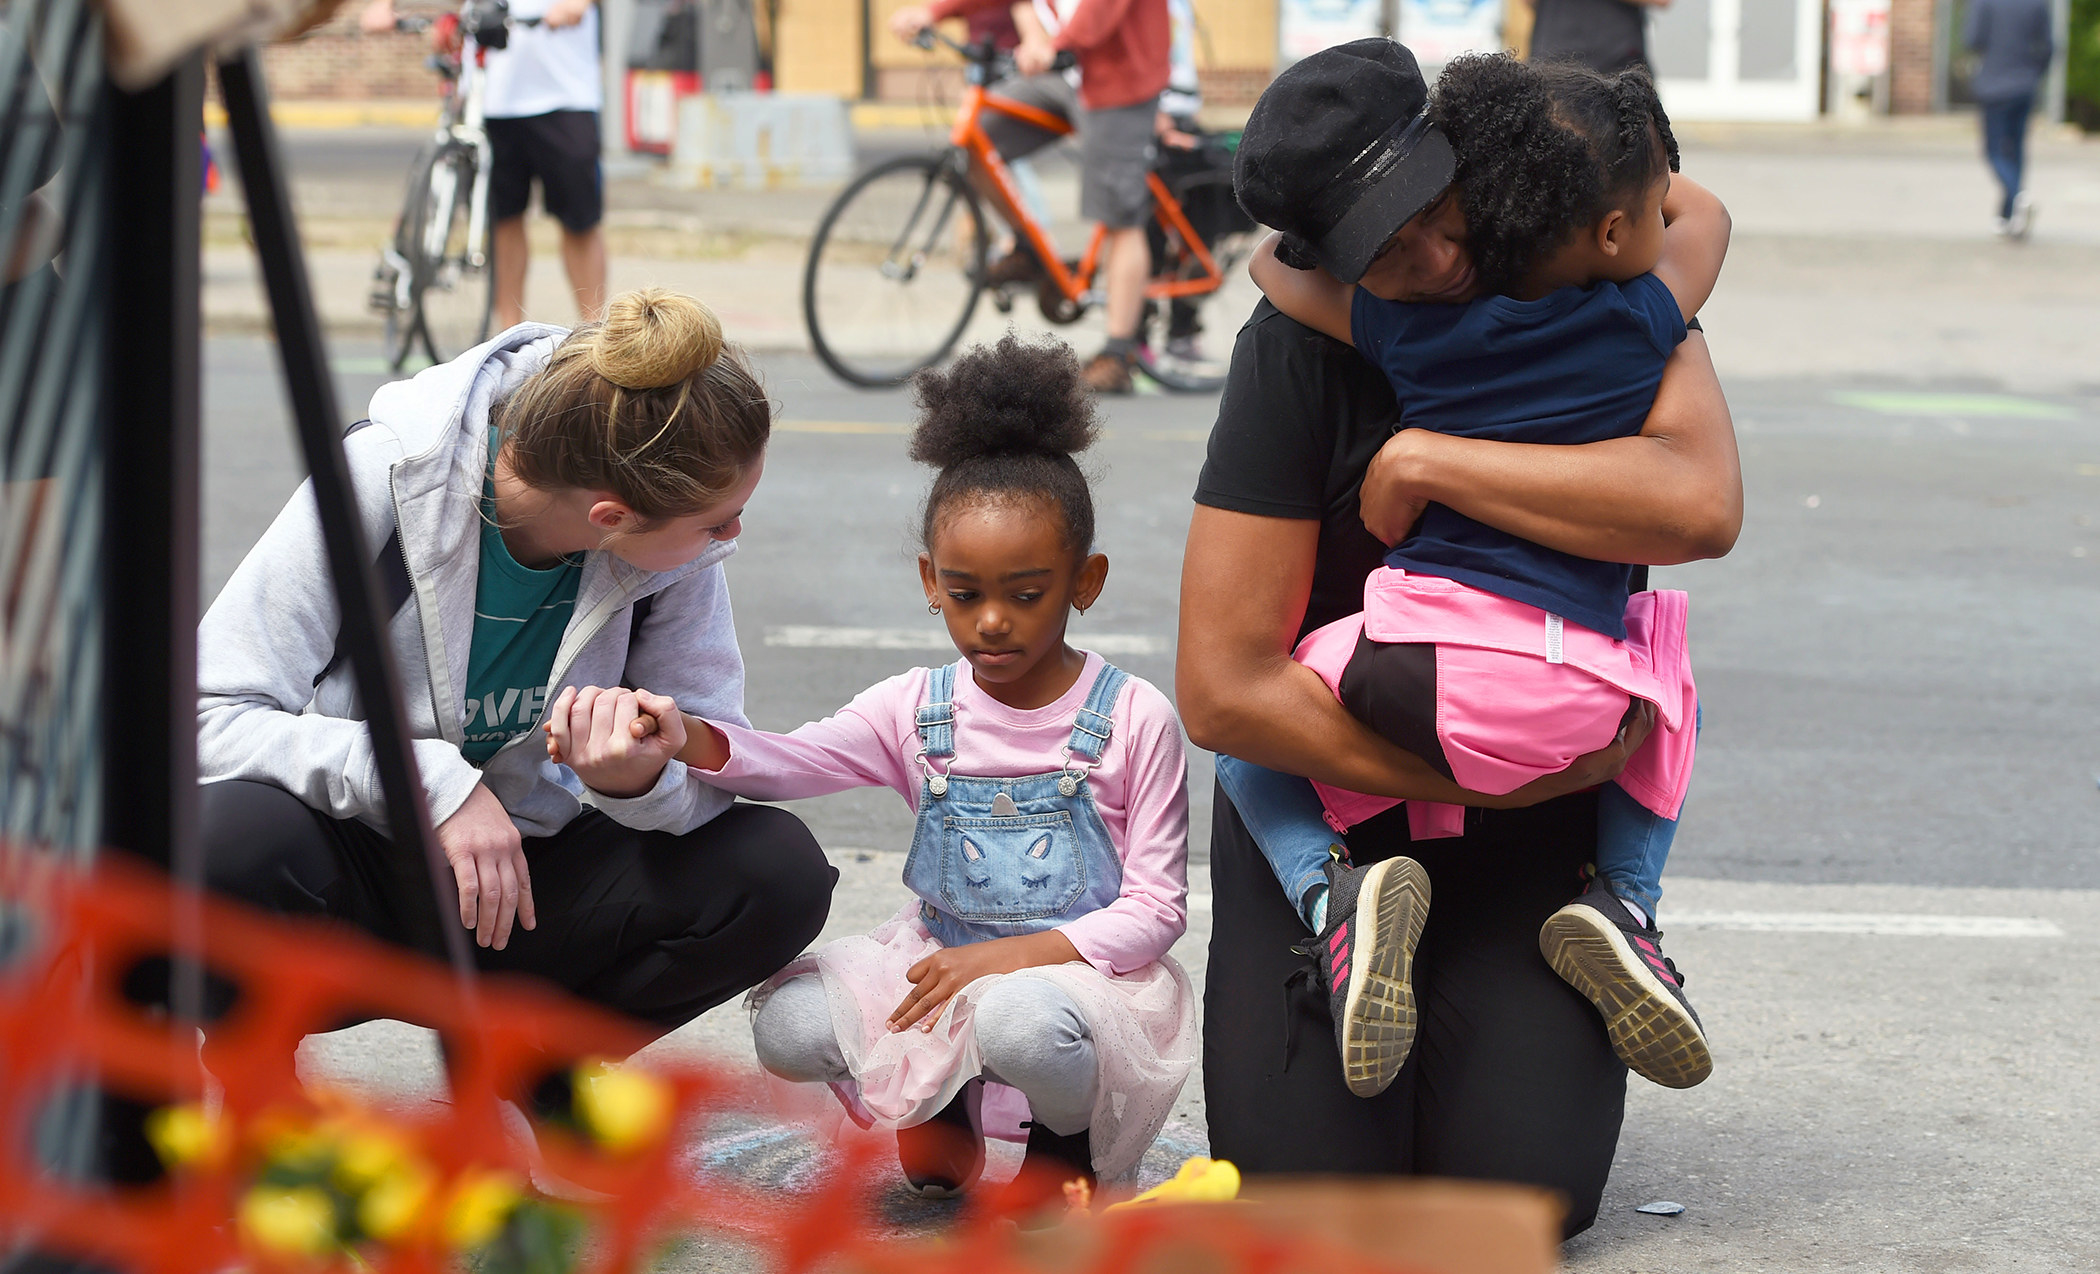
[2021, 223]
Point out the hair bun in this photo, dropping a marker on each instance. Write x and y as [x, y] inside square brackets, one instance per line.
[1012, 397]
[655, 337]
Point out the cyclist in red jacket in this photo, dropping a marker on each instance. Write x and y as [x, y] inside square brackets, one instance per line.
[1123, 51]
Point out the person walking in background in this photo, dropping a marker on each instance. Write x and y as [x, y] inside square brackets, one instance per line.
[1604, 35]
[544, 92]
[2014, 40]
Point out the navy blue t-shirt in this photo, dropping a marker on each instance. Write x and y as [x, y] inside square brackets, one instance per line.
[1578, 365]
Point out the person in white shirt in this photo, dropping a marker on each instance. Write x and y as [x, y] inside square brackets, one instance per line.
[543, 95]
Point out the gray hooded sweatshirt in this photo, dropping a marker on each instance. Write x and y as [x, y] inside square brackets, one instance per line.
[420, 464]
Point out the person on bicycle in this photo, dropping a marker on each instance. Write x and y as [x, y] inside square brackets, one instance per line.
[543, 96]
[1122, 48]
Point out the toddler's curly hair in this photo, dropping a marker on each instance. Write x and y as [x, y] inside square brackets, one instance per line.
[1003, 422]
[1544, 151]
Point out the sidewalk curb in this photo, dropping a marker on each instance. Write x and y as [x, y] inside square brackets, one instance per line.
[418, 113]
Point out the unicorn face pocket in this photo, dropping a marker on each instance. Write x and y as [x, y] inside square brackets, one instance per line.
[1026, 867]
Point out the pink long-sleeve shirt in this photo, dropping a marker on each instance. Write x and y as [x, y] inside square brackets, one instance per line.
[1140, 785]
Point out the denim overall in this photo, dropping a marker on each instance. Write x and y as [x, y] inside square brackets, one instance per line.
[993, 858]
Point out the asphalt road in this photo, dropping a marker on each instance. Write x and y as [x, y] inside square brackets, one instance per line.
[1896, 662]
[1897, 669]
[1884, 891]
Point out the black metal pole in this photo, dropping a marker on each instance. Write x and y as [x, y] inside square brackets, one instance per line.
[152, 467]
[312, 390]
[151, 485]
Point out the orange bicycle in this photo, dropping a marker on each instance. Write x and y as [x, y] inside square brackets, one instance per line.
[897, 267]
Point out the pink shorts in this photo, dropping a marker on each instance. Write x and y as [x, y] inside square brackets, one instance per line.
[1520, 693]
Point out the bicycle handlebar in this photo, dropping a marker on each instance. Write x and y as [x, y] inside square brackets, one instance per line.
[986, 56]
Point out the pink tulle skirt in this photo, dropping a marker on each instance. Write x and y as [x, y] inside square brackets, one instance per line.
[1143, 1025]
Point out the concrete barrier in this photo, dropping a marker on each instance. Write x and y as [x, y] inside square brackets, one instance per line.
[755, 141]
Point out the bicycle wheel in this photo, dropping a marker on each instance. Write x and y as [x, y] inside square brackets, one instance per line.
[393, 282]
[455, 281]
[895, 271]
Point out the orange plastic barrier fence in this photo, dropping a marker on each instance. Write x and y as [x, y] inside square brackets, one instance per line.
[64, 1016]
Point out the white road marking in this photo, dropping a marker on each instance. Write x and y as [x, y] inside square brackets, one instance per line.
[814, 637]
[1883, 924]
[1873, 923]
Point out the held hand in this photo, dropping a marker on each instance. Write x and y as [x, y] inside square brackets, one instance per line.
[594, 733]
[937, 978]
[1389, 510]
[488, 864]
[566, 13]
[1590, 769]
[1033, 55]
[906, 23]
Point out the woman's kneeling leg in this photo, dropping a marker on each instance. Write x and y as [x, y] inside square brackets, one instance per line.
[665, 927]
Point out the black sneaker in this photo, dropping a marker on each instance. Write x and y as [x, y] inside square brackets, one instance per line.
[944, 1156]
[1037, 1196]
[1595, 945]
[1367, 965]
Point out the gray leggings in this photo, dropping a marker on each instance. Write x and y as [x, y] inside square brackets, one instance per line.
[1030, 1033]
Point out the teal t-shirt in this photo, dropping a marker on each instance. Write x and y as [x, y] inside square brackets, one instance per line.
[520, 615]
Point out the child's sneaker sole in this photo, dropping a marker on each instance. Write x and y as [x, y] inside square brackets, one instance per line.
[1378, 1012]
[1650, 1029]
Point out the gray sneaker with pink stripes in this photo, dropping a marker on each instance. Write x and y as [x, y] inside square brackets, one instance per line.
[1366, 956]
[1595, 944]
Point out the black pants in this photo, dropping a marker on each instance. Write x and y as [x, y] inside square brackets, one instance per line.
[656, 926]
[1511, 1077]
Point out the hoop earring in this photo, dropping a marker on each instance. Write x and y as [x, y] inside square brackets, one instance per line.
[933, 608]
[1082, 612]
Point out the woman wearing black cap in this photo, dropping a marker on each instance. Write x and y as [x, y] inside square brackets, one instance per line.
[1511, 1077]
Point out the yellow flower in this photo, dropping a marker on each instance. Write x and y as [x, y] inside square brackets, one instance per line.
[297, 1222]
[395, 1202]
[185, 1135]
[481, 1203]
[625, 1109]
[365, 1158]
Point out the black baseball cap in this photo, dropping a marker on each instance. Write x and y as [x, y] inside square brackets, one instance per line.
[1339, 153]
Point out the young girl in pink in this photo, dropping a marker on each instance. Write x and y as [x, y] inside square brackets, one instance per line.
[1050, 862]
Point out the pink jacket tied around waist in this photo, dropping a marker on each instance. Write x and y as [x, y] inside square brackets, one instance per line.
[1520, 694]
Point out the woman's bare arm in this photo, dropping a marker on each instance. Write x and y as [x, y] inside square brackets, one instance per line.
[1673, 493]
[1244, 584]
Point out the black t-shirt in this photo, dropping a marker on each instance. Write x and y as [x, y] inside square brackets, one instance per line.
[1609, 35]
[1301, 417]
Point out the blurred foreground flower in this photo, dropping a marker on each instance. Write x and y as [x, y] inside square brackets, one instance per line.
[481, 1203]
[624, 1108]
[187, 1136]
[299, 1221]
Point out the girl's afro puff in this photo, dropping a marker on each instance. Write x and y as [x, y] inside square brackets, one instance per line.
[1010, 398]
[1004, 421]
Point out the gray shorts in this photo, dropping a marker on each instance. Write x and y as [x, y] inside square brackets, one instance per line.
[1116, 146]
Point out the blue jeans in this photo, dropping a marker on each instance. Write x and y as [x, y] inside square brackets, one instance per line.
[1284, 815]
[2005, 144]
